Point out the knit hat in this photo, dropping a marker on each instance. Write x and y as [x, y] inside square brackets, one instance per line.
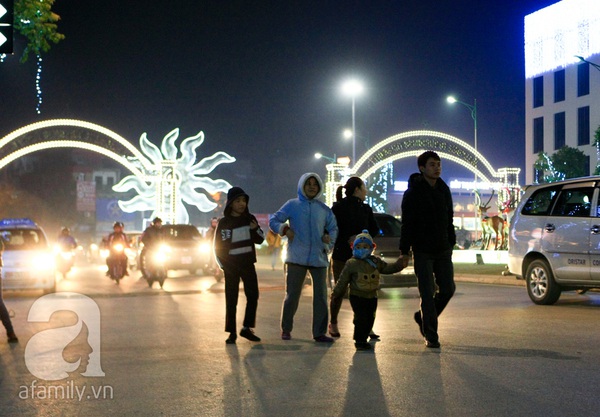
[363, 237]
[233, 193]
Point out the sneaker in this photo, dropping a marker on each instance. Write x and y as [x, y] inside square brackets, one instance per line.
[333, 330]
[324, 339]
[363, 346]
[419, 322]
[12, 338]
[286, 336]
[249, 334]
[231, 339]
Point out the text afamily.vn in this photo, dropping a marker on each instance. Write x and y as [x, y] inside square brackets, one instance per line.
[65, 391]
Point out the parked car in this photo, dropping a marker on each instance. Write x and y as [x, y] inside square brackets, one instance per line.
[554, 238]
[28, 259]
[187, 249]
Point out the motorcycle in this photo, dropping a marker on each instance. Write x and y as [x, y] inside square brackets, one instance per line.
[64, 260]
[154, 264]
[117, 259]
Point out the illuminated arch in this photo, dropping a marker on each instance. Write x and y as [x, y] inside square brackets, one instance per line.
[43, 135]
[164, 177]
[413, 143]
[70, 144]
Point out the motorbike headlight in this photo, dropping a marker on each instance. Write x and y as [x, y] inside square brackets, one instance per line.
[164, 248]
[118, 247]
[66, 255]
[160, 257]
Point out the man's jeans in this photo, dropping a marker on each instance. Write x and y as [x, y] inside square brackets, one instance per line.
[434, 269]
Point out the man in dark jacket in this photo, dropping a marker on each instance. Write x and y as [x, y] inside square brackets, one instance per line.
[427, 227]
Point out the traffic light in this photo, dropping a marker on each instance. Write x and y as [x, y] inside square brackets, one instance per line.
[6, 26]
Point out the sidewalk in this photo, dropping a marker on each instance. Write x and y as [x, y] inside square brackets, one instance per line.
[487, 273]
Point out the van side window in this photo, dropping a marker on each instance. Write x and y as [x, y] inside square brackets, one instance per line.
[574, 202]
[540, 202]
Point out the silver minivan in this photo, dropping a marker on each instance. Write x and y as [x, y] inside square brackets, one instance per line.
[554, 241]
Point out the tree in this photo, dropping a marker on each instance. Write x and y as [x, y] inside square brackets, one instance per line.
[565, 163]
[35, 20]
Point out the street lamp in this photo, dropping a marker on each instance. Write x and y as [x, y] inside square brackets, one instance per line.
[353, 88]
[586, 61]
[319, 155]
[473, 109]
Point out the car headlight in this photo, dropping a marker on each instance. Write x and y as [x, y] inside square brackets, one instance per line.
[204, 247]
[42, 261]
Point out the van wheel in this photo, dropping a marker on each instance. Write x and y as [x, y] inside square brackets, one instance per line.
[541, 287]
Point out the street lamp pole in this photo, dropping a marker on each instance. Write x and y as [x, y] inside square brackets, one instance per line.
[353, 88]
[333, 160]
[353, 132]
[582, 59]
[473, 109]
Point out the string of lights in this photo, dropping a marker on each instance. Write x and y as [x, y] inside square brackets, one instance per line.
[38, 88]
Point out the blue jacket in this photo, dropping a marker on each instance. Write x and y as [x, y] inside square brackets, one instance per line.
[309, 219]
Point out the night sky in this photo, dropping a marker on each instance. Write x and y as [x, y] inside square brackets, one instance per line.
[262, 78]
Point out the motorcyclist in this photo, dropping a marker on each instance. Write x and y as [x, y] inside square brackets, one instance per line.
[150, 238]
[65, 245]
[117, 236]
[65, 240]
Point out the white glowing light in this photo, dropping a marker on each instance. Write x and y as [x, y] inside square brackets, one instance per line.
[414, 153]
[38, 88]
[555, 34]
[175, 179]
[158, 177]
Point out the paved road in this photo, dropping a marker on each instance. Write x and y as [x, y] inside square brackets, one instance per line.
[163, 354]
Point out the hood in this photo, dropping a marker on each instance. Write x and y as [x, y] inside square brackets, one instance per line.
[232, 194]
[303, 180]
[414, 179]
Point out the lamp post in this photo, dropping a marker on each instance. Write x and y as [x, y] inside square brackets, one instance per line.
[353, 88]
[582, 59]
[333, 160]
[473, 109]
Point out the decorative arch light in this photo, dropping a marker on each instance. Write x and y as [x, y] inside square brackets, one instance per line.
[428, 133]
[162, 179]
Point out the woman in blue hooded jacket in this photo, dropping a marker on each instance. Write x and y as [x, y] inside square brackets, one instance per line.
[311, 229]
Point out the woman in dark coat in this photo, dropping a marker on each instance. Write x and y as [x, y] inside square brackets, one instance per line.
[353, 216]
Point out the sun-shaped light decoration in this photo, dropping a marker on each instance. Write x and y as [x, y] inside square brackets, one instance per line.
[170, 181]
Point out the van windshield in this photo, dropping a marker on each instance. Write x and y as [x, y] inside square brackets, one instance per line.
[23, 239]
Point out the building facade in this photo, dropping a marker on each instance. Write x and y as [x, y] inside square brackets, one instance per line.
[562, 81]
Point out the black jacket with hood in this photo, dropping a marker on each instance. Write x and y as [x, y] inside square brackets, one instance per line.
[234, 240]
[427, 215]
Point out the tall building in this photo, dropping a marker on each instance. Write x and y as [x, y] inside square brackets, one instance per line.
[562, 91]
